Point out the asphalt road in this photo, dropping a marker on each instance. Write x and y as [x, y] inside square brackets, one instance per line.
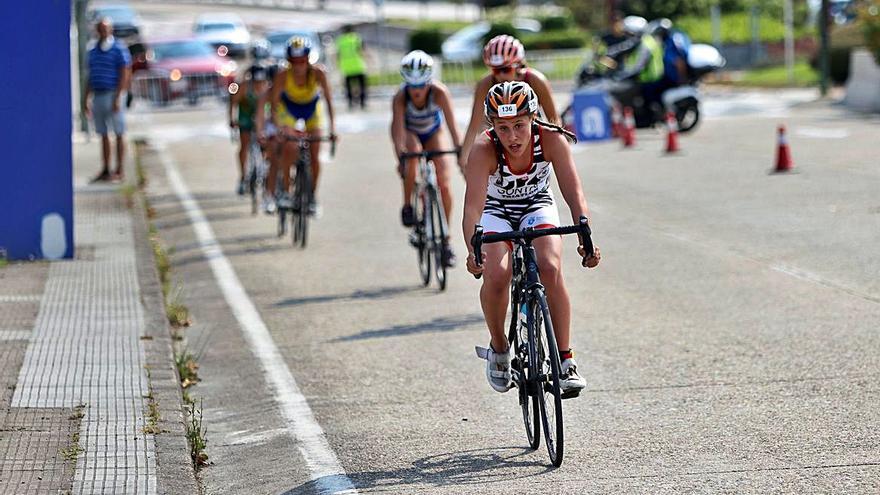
[729, 337]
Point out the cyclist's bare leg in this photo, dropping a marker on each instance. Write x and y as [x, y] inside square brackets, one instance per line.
[549, 251]
[315, 149]
[244, 140]
[272, 156]
[288, 158]
[495, 293]
[409, 181]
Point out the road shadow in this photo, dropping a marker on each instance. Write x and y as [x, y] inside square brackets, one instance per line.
[358, 295]
[439, 324]
[469, 467]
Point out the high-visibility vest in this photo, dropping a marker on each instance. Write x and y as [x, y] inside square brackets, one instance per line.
[348, 49]
[653, 70]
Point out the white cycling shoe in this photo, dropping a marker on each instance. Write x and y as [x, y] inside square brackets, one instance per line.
[570, 381]
[497, 368]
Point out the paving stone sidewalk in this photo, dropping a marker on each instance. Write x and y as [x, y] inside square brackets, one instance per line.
[84, 350]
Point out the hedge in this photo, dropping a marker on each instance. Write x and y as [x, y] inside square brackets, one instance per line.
[556, 40]
[430, 40]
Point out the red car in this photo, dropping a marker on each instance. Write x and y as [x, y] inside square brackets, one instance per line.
[168, 69]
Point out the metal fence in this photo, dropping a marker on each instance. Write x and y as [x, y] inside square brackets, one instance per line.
[557, 65]
[161, 89]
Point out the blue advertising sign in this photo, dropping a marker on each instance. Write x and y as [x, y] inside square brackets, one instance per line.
[592, 118]
[36, 175]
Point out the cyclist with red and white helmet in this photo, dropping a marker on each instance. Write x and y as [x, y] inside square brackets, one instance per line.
[504, 55]
[508, 188]
[418, 110]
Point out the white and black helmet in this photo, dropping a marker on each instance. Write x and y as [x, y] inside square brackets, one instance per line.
[417, 67]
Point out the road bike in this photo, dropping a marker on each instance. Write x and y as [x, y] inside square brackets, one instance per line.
[302, 188]
[535, 366]
[430, 230]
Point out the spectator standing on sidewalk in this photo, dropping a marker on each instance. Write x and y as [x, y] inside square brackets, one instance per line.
[109, 76]
[350, 57]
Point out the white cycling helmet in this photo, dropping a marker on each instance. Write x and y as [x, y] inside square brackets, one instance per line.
[417, 67]
[634, 24]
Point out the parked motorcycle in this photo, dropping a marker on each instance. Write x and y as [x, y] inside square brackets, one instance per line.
[683, 100]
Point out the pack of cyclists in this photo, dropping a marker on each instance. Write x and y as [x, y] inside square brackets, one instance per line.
[511, 148]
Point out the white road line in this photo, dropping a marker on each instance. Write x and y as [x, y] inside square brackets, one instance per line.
[324, 468]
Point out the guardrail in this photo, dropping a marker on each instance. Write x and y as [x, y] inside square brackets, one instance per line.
[557, 65]
[161, 89]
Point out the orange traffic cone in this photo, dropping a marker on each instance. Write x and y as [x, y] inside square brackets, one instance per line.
[616, 130]
[629, 128]
[783, 153]
[671, 133]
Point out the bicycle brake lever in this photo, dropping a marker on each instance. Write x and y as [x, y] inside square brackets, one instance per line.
[477, 243]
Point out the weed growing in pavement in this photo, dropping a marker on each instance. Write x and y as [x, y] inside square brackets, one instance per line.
[72, 451]
[163, 262]
[128, 191]
[139, 170]
[178, 313]
[187, 399]
[196, 434]
[78, 413]
[152, 426]
[187, 367]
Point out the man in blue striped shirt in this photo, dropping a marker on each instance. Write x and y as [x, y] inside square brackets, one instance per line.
[109, 76]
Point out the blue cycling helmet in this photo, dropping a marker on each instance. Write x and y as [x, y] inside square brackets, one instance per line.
[298, 46]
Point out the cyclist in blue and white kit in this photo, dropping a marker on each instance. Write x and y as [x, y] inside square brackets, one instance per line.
[419, 109]
[508, 188]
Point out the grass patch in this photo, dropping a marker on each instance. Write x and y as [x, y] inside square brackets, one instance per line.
[736, 27]
[196, 434]
[777, 77]
[447, 27]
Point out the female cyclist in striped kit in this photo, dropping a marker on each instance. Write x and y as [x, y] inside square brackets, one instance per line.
[419, 109]
[508, 188]
[505, 56]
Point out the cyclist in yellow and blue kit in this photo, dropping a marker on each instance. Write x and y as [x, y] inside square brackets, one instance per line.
[296, 98]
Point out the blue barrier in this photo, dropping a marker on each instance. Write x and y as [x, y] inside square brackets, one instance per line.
[36, 175]
[592, 117]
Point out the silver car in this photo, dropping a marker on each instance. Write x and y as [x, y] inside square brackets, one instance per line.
[225, 32]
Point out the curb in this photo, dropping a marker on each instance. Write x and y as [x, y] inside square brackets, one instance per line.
[175, 469]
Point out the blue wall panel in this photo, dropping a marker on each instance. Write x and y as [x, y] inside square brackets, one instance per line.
[36, 183]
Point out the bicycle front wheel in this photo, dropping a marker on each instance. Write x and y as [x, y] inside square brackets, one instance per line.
[438, 233]
[549, 392]
[301, 199]
[525, 378]
[423, 230]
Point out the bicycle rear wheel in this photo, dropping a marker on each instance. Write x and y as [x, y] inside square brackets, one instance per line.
[438, 236]
[549, 392]
[253, 166]
[423, 228]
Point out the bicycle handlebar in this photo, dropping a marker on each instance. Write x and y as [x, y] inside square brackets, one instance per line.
[427, 155]
[311, 139]
[582, 229]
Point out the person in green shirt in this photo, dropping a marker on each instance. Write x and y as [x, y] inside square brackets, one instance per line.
[350, 58]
